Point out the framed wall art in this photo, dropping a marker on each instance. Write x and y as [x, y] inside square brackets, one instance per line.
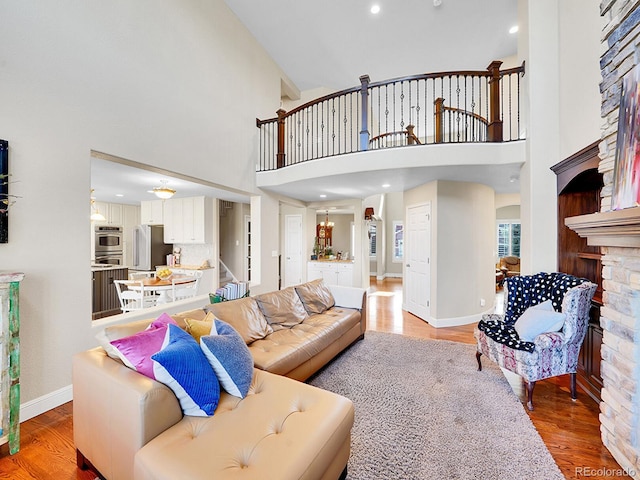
[626, 175]
[4, 191]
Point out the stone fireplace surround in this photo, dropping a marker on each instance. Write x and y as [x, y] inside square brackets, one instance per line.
[618, 235]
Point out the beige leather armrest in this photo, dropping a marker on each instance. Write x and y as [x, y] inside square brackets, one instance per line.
[351, 297]
[348, 297]
[116, 411]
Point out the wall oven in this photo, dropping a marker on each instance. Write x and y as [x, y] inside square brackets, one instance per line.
[109, 259]
[108, 240]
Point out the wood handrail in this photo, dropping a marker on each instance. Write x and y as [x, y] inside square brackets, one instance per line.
[351, 116]
[408, 133]
[467, 113]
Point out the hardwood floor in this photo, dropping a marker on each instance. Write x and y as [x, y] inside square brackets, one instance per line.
[570, 430]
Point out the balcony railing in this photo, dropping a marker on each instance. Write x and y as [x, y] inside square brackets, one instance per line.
[448, 107]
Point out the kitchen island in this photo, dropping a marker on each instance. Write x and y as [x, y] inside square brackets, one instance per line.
[105, 296]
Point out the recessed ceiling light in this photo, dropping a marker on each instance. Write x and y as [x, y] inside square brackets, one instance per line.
[513, 29]
[119, 195]
[323, 196]
[386, 185]
[375, 9]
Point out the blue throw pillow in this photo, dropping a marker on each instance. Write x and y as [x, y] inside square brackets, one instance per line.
[230, 358]
[181, 365]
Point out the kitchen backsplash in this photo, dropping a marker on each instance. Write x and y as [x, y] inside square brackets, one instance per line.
[196, 254]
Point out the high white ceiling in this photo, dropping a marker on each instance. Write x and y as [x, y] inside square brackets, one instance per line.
[331, 44]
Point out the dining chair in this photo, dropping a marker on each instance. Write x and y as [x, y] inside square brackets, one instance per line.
[180, 291]
[132, 295]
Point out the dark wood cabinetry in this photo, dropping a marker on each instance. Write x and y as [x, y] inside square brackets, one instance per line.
[105, 296]
[579, 185]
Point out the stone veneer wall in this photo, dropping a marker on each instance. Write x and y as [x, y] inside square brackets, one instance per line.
[620, 316]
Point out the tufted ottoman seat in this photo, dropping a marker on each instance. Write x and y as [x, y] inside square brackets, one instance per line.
[283, 429]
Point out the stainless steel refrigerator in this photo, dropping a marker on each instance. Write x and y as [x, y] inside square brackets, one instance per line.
[149, 249]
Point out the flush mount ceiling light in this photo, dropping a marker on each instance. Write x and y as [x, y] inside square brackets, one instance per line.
[375, 9]
[513, 29]
[163, 191]
[437, 3]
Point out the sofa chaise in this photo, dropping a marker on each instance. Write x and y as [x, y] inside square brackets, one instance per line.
[130, 426]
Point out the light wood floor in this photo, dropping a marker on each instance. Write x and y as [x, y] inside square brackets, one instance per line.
[570, 430]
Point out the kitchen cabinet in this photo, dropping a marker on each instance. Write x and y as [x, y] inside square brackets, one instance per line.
[188, 220]
[112, 213]
[333, 273]
[10, 360]
[152, 212]
[105, 296]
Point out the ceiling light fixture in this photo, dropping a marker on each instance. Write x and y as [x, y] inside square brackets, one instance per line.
[375, 9]
[163, 191]
[513, 29]
[386, 185]
[437, 3]
[322, 195]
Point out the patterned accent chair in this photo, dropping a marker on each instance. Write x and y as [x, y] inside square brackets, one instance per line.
[549, 354]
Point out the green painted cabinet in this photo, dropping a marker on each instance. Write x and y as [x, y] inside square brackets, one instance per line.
[10, 360]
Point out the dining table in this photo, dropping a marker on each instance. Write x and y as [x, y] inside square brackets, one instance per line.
[163, 286]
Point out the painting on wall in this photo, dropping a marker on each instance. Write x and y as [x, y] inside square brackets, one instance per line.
[626, 177]
[4, 191]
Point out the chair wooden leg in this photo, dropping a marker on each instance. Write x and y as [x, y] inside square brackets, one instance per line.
[478, 355]
[530, 386]
[574, 393]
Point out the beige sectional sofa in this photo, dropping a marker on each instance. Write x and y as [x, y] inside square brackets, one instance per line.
[129, 426]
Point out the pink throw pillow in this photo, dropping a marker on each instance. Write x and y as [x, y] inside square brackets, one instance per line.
[136, 350]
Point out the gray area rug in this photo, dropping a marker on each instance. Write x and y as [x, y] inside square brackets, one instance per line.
[423, 411]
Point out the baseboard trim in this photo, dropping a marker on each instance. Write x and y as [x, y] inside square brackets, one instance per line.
[456, 321]
[42, 404]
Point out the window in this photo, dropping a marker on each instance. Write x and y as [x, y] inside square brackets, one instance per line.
[372, 239]
[398, 241]
[508, 232]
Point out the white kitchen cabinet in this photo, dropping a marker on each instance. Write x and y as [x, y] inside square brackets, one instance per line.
[333, 273]
[151, 212]
[173, 221]
[112, 213]
[344, 273]
[188, 220]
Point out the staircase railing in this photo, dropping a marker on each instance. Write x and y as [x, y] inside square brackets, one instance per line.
[446, 107]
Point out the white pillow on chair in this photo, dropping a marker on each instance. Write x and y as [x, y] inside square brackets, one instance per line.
[538, 319]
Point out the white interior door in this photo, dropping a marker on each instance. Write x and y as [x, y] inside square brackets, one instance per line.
[417, 260]
[293, 250]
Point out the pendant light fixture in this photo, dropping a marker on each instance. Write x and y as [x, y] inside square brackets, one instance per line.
[96, 216]
[163, 191]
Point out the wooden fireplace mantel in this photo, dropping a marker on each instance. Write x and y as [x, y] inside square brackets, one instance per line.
[618, 228]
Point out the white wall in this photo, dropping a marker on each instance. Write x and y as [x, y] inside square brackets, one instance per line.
[560, 43]
[394, 211]
[462, 249]
[580, 75]
[173, 84]
[232, 241]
